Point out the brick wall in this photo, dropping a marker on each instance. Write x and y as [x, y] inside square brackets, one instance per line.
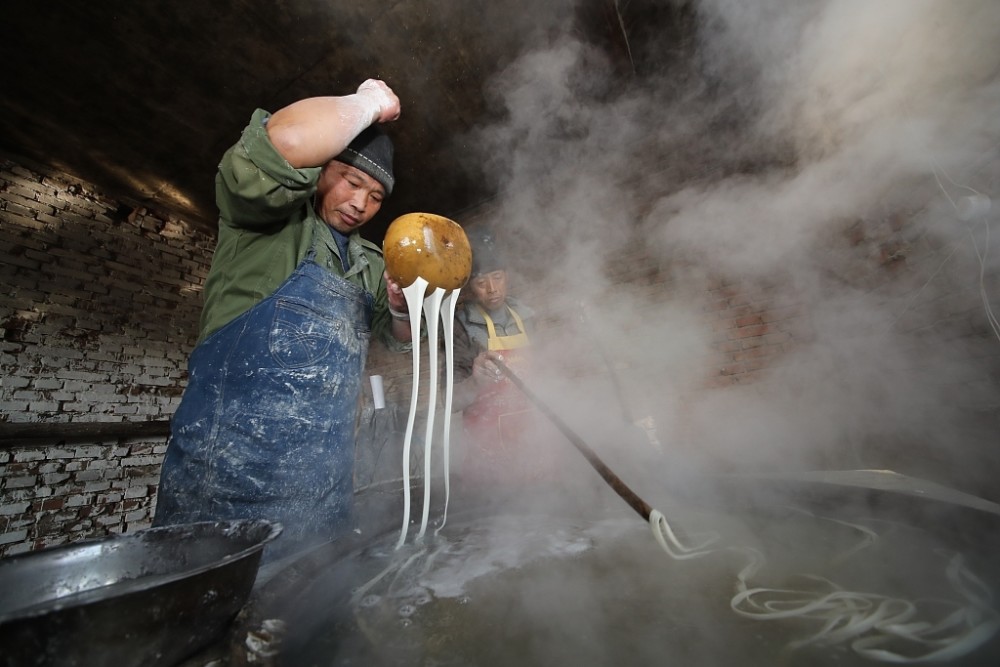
[56, 493]
[98, 313]
[752, 325]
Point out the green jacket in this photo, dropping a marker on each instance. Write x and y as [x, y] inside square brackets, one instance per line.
[267, 224]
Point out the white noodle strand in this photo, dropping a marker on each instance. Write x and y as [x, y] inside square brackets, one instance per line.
[432, 308]
[448, 326]
[414, 294]
[868, 622]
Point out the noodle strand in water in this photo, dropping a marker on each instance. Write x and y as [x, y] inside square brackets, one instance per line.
[868, 621]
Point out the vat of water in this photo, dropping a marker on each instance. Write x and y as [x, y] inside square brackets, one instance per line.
[565, 580]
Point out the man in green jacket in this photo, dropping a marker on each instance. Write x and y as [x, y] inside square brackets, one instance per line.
[265, 429]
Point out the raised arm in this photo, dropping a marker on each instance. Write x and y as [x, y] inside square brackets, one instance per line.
[311, 132]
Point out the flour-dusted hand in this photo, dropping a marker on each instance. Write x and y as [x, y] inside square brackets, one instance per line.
[397, 300]
[379, 98]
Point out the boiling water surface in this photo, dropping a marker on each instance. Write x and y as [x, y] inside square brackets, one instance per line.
[521, 590]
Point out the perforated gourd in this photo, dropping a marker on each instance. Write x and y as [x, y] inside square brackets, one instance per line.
[430, 246]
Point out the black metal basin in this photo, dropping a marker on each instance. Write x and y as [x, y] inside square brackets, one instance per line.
[149, 598]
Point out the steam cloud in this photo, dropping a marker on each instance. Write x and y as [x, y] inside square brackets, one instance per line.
[813, 151]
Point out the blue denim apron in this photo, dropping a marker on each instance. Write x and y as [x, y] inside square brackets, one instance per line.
[266, 426]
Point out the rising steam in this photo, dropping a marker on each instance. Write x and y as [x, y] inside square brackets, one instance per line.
[813, 152]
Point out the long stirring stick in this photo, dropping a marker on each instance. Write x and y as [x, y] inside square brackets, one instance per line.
[622, 489]
[414, 294]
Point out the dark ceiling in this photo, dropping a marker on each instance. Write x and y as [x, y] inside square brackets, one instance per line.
[141, 99]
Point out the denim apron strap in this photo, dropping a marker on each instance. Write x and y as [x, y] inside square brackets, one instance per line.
[266, 426]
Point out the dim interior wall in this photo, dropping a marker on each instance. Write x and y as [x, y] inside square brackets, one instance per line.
[56, 492]
[98, 314]
[880, 356]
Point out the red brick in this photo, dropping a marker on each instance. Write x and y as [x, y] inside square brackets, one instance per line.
[747, 332]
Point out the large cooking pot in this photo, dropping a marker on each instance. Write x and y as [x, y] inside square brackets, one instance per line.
[520, 582]
[148, 598]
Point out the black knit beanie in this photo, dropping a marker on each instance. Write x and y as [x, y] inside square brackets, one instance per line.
[486, 255]
[371, 152]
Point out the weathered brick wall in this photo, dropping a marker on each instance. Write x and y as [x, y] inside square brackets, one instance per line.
[752, 324]
[56, 493]
[98, 314]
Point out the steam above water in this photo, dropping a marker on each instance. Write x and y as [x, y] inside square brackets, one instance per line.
[810, 154]
[801, 163]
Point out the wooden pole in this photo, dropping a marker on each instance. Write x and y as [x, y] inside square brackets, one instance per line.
[615, 482]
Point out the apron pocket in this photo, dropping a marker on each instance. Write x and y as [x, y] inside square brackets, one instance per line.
[300, 336]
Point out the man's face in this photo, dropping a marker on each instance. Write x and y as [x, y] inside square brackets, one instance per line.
[348, 197]
[489, 289]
